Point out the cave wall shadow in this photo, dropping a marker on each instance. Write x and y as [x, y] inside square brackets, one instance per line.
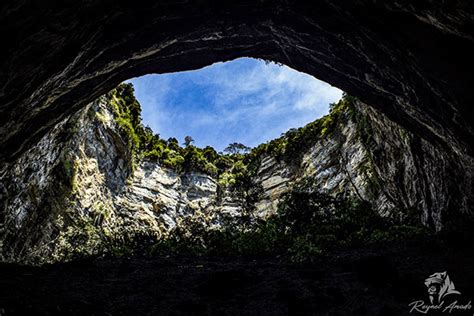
[412, 62]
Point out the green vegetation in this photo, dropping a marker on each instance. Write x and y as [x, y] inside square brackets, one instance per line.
[291, 145]
[143, 143]
[78, 239]
[237, 148]
[232, 169]
[307, 225]
[127, 112]
[240, 160]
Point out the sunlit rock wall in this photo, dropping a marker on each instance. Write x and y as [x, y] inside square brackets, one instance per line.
[371, 158]
[79, 191]
[79, 188]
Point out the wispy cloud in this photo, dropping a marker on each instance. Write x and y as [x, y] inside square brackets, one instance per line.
[244, 100]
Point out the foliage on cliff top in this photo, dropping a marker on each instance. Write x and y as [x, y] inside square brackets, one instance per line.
[144, 143]
[294, 143]
[232, 169]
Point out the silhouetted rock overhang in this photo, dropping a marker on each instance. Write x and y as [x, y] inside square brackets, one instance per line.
[413, 60]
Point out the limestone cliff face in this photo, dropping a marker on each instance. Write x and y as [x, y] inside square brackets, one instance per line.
[79, 190]
[374, 159]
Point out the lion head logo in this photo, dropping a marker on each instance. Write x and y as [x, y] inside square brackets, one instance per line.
[439, 285]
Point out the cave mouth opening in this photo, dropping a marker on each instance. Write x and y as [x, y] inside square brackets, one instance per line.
[157, 196]
[191, 199]
[307, 191]
[403, 59]
[245, 101]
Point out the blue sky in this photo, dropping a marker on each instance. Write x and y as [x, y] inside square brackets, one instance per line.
[244, 100]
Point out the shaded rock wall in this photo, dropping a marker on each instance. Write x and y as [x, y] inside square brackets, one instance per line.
[416, 175]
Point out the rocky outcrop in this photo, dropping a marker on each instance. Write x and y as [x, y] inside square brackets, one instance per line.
[371, 158]
[79, 187]
[418, 176]
[80, 190]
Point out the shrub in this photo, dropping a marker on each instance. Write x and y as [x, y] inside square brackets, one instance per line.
[306, 226]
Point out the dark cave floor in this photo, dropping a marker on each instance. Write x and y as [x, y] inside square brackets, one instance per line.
[377, 280]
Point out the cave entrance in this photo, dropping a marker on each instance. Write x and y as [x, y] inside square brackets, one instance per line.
[409, 60]
[401, 62]
[189, 199]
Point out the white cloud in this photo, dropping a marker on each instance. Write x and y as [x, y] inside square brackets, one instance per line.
[243, 98]
[277, 87]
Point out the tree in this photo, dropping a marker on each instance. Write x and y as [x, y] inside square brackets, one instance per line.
[237, 148]
[210, 154]
[290, 132]
[173, 144]
[172, 140]
[224, 162]
[188, 140]
[126, 92]
[148, 140]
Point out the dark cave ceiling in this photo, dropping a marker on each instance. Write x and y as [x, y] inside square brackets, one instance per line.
[412, 61]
